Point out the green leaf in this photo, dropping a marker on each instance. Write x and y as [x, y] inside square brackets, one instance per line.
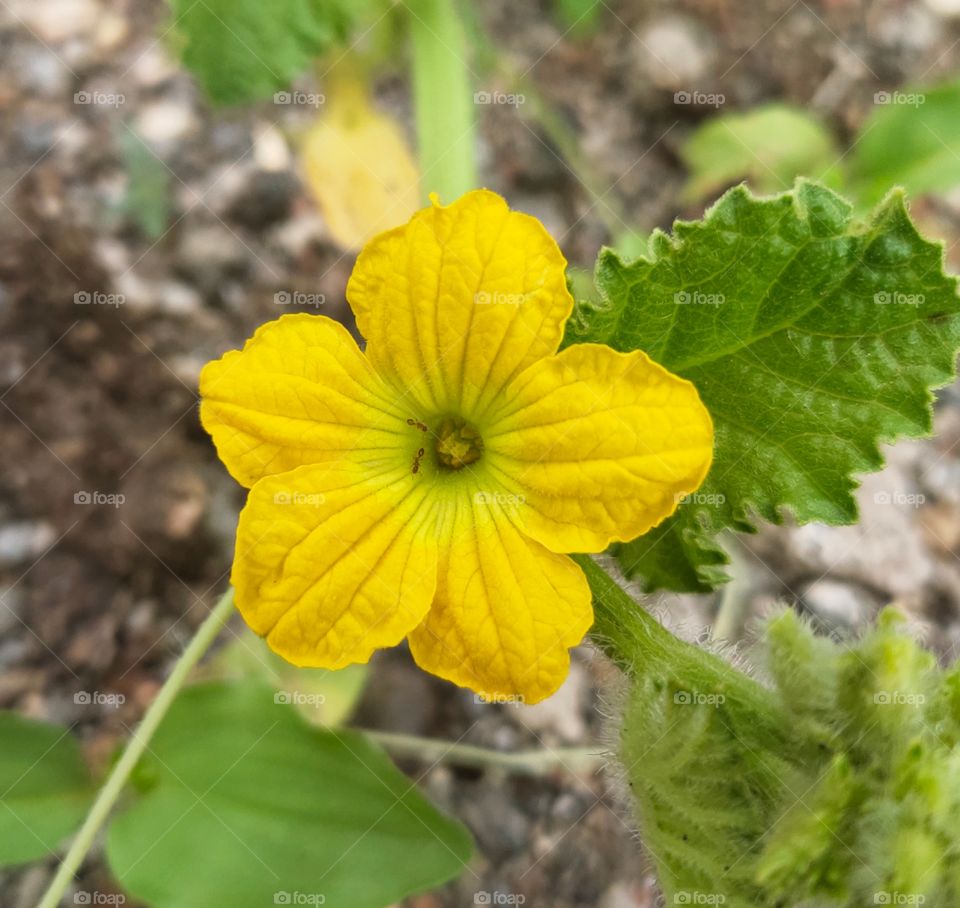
[244, 50]
[911, 139]
[45, 788]
[770, 146]
[811, 338]
[322, 697]
[250, 806]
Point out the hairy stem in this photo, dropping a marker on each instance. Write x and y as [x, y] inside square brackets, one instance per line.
[640, 645]
[135, 748]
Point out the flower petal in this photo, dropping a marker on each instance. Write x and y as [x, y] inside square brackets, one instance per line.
[334, 562]
[506, 609]
[358, 165]
[598, 446]
[460, 300]
[299, 392]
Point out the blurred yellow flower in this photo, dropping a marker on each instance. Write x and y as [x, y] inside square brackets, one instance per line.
[429, 487]
[358, 166]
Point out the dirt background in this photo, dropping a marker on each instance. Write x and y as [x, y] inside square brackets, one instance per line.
[116, 520]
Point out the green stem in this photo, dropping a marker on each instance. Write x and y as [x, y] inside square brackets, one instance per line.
[443, 99]
[135, 748]
[531, 763]
[641, 646]
[734, 601]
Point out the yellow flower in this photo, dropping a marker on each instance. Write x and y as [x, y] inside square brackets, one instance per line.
[357, 164]
[429, 487]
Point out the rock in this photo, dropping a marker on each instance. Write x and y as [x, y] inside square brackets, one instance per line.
[941, 478]
[24, 541]
[177, 298]
[948, 9]
[626, 895]
[40, 71]
[94, 644]
[911, 28]
[397, 698]
[210, 253]
[297, 234]
[500, 827]
[33, 882]
[838, 606]
[561, 717]
[675, 53]
[11, 601]
[165, 123]
[545, 207]
[271, 150]
[153, 66]
[883, 551]
[56, 21]
[112, 31]
[266, 199]
[941, 527]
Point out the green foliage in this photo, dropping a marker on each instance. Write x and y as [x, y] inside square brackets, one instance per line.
[244, 50]
[244, 804]
[321, 696]
[849, 798]
[810, 336]
[45, 788]
[580, 16]
[770, 146]
[147, 200]
[912, 139]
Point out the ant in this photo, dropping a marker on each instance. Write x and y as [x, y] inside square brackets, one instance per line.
[416, 460]
[423, 428]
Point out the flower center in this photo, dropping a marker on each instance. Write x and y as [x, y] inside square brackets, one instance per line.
[458, 443]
